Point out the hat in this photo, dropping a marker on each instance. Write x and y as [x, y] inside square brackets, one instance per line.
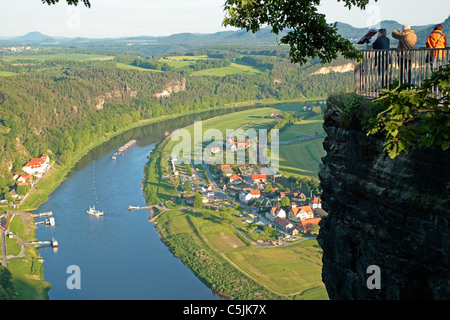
[406, 27]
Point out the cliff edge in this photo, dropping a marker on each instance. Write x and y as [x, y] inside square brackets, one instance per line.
[392, 213]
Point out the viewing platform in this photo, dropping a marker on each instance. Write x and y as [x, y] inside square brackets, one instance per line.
[381, 68]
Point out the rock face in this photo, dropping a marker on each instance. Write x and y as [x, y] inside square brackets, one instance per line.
[173, 86]
[392, 213]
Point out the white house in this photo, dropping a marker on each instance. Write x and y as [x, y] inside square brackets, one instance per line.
[298, 214]
[37, 166]
[277, 212]
[246, 196]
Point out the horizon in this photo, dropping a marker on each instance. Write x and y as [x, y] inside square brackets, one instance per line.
[156, 18]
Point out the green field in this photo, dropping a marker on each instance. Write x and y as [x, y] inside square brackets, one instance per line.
[289, 270]
[234, 68]
[277, 272]
[7, 74]
[179, 62]
[302, 159]
[310, 127]
[130, 67]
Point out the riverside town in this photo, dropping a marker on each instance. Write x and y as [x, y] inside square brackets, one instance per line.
[224, 158]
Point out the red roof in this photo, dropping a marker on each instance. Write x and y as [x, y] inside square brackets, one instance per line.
[307, 209]
[317, 200]
[235, 177]
[282, 221]
[225, 167]
[37, 162]
[305, 225]
[259, 177]
[255, 192]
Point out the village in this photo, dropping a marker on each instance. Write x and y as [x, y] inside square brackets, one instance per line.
[266, 199]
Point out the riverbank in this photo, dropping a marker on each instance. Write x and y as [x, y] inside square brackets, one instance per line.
[216, 251]
[23, 260]
[59, 173]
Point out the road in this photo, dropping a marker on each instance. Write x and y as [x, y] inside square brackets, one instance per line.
[4, 259]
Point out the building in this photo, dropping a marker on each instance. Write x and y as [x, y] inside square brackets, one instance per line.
[275, 115]
[285, 226]
[37, 166]
[317, 203]
[305, 225]
[298, 214]
[246, 196]
[235, 179]
[259, 178]
[23, 179]
[226, 170]
[277, 212]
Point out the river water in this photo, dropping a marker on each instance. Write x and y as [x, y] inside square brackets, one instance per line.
[120, 255]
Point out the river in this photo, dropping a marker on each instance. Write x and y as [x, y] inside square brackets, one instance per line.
[120, 255]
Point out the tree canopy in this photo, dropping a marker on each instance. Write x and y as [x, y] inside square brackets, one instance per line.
[308, 33]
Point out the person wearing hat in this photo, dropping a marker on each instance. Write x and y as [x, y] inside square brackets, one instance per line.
[406, 40]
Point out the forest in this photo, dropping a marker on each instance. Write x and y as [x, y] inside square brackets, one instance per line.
[57, 106]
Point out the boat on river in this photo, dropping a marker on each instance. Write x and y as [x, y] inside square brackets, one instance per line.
[94, 212]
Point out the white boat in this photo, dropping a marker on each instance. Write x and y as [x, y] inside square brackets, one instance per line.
[94, 212]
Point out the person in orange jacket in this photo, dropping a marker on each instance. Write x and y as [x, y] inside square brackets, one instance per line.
[437, 40]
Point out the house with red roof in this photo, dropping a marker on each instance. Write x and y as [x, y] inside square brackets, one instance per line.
[37, 166]
[235, 179]
[226, 170]
[24, 179]
[247, 195]
[304, 226]
[317, 203]
[298, 214]
[259, 178]
[285, 226]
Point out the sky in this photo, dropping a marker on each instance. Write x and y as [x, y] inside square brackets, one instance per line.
[119, 18]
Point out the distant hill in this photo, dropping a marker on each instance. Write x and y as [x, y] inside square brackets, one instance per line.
[32, 37]
[187, 41]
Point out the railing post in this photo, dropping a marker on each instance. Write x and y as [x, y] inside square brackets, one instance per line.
[380, 68]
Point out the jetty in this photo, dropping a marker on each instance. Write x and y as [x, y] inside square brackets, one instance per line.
[123, 148]
[131, 208]
[52, 243]
[48, 222]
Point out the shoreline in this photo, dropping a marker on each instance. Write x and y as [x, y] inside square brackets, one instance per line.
[59, 173]
[40, 195]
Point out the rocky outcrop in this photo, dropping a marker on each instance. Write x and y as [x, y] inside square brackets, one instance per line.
[339, 69]
[392, 213]
[117, 94]
[172, 87]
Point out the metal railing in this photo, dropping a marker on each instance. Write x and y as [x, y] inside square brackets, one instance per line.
[382, 67]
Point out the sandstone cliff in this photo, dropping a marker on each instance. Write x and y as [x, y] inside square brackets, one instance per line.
[384, 212]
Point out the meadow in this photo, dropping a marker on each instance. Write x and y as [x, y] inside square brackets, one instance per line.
[291, 272]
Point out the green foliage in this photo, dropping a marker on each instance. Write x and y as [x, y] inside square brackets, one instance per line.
[198, 200]
[7, 289]
[414, 116]
[309, 34]
[187, 186]
[22, 190]
[268, 188]
[285, 202]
